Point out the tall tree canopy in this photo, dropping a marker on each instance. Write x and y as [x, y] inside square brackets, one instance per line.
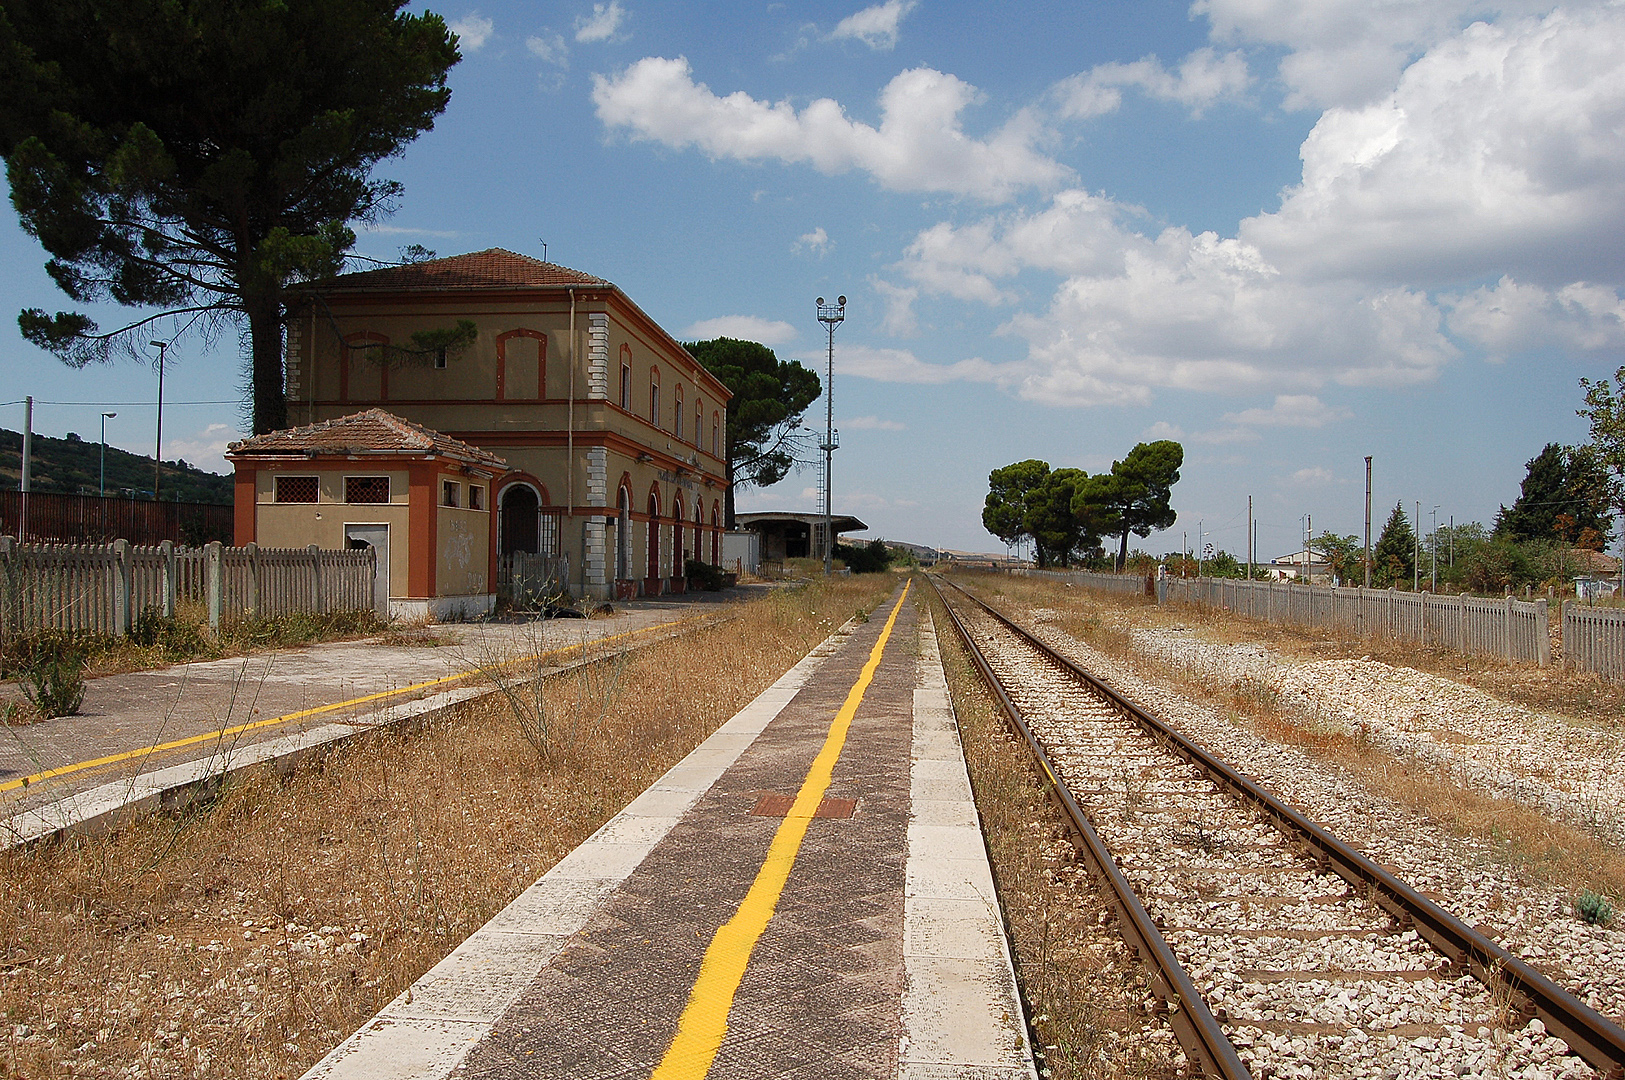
[1565, 496]
[1605, 408]
[1134, 496]
[770, 396]
[206, 156]
[1394, 558]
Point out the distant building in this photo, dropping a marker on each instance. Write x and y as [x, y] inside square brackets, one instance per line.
[1292, 567]
[612, 432]
[790, 535]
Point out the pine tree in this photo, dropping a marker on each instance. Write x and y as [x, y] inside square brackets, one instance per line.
[1394, 559]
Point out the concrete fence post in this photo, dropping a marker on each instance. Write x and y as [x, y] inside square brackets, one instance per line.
[215, 582]
[253, 552]
[1507, 624]
[315, 554]
[121, 588]
[166, 552]
[1568, 645]
[1543, 631]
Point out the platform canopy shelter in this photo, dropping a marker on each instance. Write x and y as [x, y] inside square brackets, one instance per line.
[791, 536]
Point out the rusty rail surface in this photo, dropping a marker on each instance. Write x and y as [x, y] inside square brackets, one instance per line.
[1590, 1035]
[1198, 1030]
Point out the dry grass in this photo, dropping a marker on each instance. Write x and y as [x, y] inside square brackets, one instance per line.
[247, 939]
[1553, 852]
[1085, 995]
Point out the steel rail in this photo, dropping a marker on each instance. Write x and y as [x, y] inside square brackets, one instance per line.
[1198, 1030]
[1593, 1037]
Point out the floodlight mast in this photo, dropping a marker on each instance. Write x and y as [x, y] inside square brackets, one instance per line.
[831, 315]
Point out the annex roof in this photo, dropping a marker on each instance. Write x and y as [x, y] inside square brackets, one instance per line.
[364, 433]
[843, 523]
[493, 268]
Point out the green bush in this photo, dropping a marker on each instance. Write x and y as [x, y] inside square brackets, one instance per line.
[54, 681]
[702, 575]
[176, 637]
[1594, 908]
[870, 558]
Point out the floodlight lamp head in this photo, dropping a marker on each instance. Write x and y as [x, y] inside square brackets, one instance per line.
[159, 344]
[840, 301]
[820, 301]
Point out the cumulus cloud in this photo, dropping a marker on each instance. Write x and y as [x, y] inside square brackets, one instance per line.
[920, 144]
[1314, 476]
[1510, 318]
[1162, 429]
[899, 320]
[742, 327]
[1346, 52]
[816, 242]
[1500, 151]
[473, 30]
[1203, 78]
[205, 449]
[603, 24]
[875, 26]
[872, 423]
[1290, 410]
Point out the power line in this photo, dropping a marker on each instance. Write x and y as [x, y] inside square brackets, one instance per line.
[125, 404]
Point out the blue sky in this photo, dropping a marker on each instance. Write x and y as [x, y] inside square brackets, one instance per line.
[1288, 233]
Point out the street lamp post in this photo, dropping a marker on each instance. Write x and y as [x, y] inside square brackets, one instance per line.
[1433, 536]
[101, 488]
[158, 447]
[831, 315]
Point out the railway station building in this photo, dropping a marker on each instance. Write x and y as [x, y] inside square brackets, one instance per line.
[611, 433]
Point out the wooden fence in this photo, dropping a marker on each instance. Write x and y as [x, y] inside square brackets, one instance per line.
[101, 588]
[93, 519]
[1594, 640]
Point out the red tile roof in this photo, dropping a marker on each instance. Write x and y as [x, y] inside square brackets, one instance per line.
[493, 268]
[372, 432]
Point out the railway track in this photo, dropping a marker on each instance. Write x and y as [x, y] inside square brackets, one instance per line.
[1276, 949]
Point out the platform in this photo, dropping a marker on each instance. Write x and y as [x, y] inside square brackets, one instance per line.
[805, 895]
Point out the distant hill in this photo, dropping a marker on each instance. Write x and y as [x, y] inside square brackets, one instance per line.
[72, 465]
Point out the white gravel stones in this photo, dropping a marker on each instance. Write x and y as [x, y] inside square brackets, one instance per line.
[1364, 1001]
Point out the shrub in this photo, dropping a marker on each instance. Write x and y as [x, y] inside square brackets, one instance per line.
[702, 575]
[870, 558]
[53, 680]
[176, 637]
[1594, 908]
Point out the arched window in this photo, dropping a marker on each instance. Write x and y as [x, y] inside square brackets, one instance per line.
[654, 396]
[716, 534]
[716, 435]
[699, 420]
[678, 552]
[521, 365]
[677, 413]
[699, 522]
[626, 377]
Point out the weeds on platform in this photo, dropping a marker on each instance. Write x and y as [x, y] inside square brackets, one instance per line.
[249, 937]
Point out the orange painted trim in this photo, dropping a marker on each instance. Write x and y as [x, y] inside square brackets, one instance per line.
[243, 497]
[541, 362]
[422, 527]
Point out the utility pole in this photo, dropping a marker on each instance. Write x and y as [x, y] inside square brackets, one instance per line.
[25, 481]
[1416, 558]
[1368, 521]
[1198, 547]
[831, 316]
[1249, 538]
[1308, 542]
[1433, 543]
[101, 487]
[158, 448]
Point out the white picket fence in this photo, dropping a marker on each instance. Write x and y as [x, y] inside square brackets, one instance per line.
[1594, 639]
[101, 588]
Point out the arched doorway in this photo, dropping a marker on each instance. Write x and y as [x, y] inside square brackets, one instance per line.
[623, 535]
[716, 536]
[519, 528]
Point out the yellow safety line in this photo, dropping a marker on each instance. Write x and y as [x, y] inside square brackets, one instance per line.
[705, 1019]
[193, 740]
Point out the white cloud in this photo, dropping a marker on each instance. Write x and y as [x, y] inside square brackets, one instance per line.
[1162, 429]
[1501, 151]
[1205, 77]
[875, 26]
[402, 230]
[549, 48]
[899, 320]
[816, 242]
[473, 30]
[1314, 476]
[872, 423]
[204, 449]
[919, 146]
[1227, 436]
[902, 366]
[1508, 318]
[742, 327]
[1347, 52]
[1290, 410]
[602, 24]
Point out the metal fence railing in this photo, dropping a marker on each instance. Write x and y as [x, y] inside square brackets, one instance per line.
[54, 517]
[101, 588]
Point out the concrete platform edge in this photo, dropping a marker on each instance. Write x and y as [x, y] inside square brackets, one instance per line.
[962, 1015]
[426, 1032]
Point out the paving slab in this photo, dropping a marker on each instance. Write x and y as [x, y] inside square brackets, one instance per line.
[142, 722]
[884, 957]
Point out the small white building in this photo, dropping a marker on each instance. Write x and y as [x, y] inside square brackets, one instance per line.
[1293, 567]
